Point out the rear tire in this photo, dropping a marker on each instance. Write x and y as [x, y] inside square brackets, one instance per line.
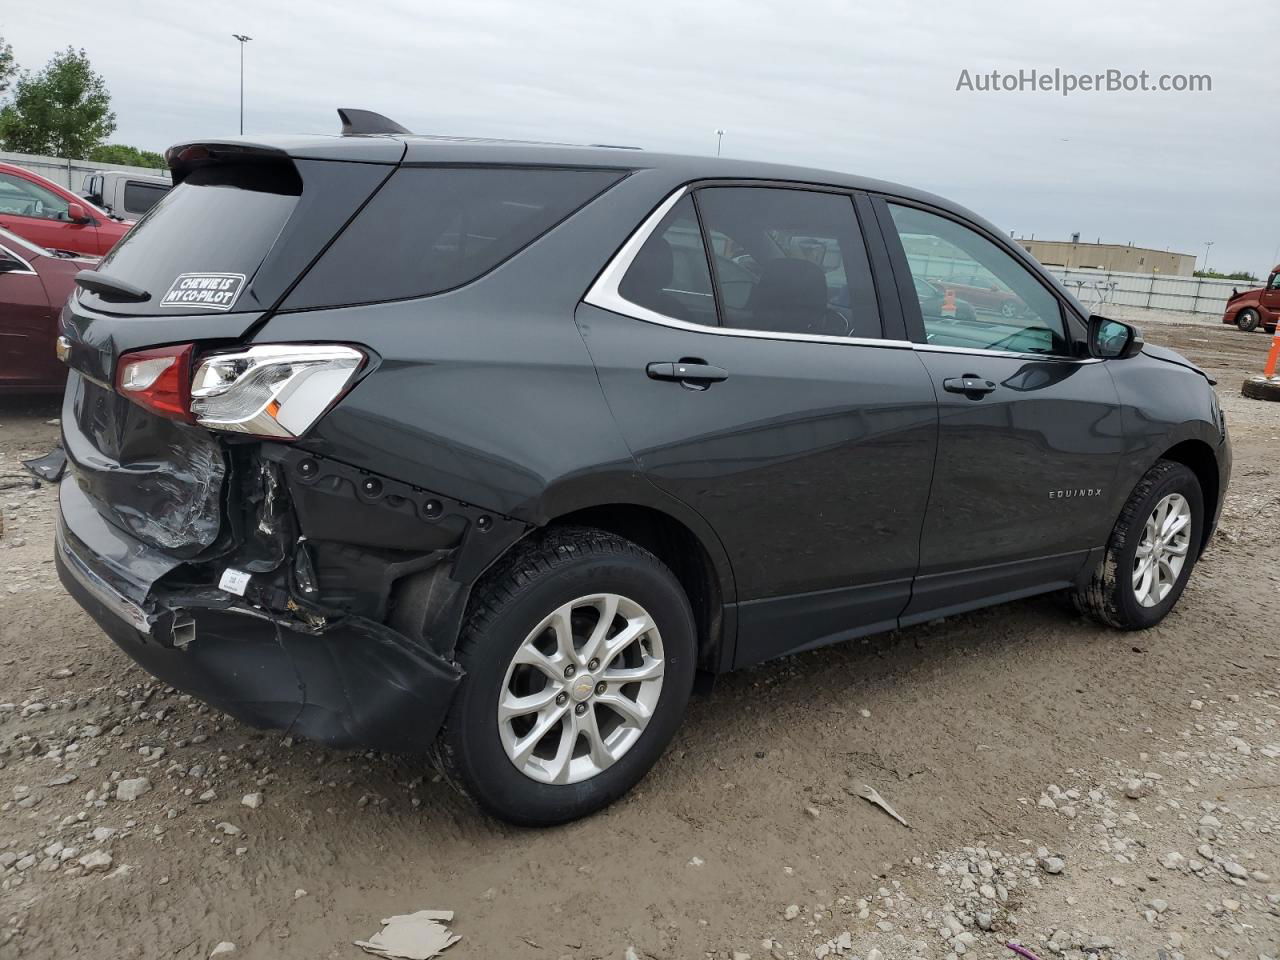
[1135, 586]
[1247, 320]
[532, 619]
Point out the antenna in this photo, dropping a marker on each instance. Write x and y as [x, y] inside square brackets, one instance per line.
[359, 123]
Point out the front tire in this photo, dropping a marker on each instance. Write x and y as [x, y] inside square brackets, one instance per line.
[1247, 320]
[1151, 552]
[579, 656]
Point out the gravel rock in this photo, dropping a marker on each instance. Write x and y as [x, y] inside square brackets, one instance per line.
[223, 949]
[1137, 789]
[1054, 865]
[98, 860]
[130, 790]
[251, 800]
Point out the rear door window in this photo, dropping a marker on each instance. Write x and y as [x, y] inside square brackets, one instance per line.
[431, 229]
[789, 261]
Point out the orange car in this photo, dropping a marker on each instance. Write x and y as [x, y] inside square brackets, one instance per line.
[1256, 308]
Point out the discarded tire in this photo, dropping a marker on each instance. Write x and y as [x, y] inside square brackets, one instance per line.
[1259, 388]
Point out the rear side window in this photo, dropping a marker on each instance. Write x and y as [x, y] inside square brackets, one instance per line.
[430, 229]
[141, 197]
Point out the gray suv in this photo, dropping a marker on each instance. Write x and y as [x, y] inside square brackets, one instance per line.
[484, 450]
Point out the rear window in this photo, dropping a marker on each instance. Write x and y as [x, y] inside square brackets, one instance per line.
[221, 220]
[430, 229]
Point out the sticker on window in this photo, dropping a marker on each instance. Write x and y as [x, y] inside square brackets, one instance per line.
[212, 291]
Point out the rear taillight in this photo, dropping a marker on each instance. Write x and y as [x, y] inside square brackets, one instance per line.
[159, 380]
[270, 390]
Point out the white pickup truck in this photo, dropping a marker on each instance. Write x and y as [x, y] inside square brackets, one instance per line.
[127, 195]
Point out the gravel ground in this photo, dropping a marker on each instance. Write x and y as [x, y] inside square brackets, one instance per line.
[1082, 792]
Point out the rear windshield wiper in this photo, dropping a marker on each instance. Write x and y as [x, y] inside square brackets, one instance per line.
[109, 288]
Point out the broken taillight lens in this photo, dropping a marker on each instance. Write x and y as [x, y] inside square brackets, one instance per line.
[272, 390]
[158, 379]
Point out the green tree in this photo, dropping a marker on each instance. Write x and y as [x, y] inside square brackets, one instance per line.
[119, 153]
[8, 66]
[64, 110]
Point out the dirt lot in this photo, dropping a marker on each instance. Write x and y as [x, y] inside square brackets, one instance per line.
[1085, 793]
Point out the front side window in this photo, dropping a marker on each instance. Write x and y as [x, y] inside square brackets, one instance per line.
[23, 198]
[789, 261]
[974, 294]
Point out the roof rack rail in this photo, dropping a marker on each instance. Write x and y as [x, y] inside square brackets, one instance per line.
[360, 123]
[615, 146]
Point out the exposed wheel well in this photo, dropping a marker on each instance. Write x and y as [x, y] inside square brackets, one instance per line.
[679, 548]
[1198, 456]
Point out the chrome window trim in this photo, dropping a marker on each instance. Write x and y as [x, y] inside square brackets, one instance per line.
[983, 352]
[604, 294]
[28, 272]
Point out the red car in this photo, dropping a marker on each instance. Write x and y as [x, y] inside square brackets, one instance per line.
[1256, 308]
[34, 284]
[53, 217]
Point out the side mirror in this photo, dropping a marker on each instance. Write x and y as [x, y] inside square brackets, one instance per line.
[1113, 340]
[76, 213]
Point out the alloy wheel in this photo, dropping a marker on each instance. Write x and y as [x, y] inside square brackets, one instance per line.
[1162, 551]
[581, 689]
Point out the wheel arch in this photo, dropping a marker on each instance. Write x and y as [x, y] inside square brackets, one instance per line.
[1199, 457]
[697, 560]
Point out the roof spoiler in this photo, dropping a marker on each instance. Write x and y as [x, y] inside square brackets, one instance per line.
[361, 123]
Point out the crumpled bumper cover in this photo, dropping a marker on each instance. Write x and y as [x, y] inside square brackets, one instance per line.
[354, 683]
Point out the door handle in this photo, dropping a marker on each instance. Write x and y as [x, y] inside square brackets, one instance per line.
[971, 385]
[695, 374]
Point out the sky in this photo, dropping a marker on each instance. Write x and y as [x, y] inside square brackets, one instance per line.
[868, 88]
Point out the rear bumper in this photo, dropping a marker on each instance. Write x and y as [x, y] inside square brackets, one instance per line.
[351, 683]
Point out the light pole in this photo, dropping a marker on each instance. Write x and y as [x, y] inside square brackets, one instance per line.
[1207, 245]
[719, 137]
[243, 38]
